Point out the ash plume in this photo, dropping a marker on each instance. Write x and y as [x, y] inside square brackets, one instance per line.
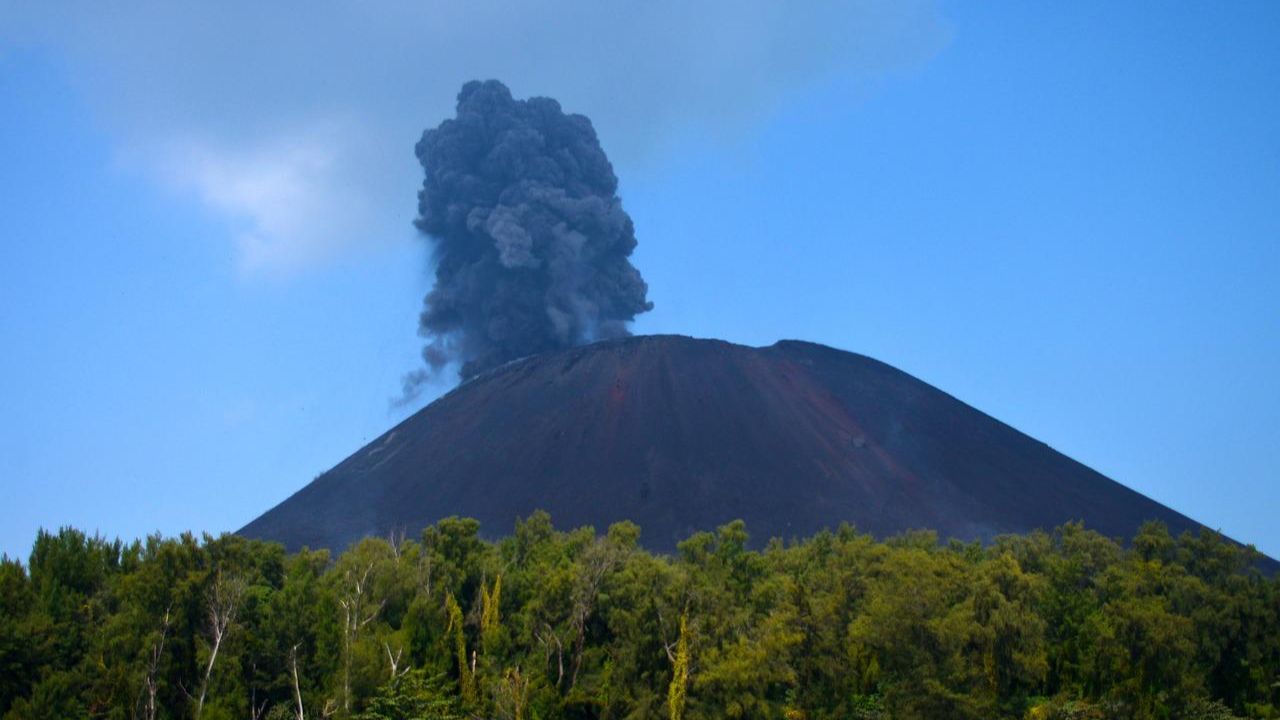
[529, 237]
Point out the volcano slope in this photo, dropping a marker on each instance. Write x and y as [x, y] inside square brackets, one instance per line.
[679, 435]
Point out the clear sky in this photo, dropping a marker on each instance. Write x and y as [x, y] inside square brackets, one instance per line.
[1066, 215]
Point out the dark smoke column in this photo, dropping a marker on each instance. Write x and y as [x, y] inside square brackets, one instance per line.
[530, 240]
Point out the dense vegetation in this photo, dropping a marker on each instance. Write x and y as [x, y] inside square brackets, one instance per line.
[547, 624]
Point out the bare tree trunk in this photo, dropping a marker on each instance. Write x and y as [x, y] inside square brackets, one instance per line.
[396, 538]
[424, 568]
[297, 691]
[256, 711]
[346, 658]
[601, 558]
[224, 603]
[394, 660]
[149, 683]
[354, 619]
[546, 643]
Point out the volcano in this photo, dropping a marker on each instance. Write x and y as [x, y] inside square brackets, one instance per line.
[680, 435]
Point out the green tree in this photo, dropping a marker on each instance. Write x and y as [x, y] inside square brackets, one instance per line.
[679, 687]
[412, 696]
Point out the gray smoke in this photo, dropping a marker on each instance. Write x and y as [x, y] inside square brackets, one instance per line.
[530, 240]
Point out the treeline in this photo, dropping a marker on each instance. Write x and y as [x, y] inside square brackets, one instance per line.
[549, 624]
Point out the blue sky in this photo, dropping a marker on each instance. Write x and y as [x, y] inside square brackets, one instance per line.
[1065, 215]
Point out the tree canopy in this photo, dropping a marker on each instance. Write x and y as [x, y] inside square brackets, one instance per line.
[546, 624]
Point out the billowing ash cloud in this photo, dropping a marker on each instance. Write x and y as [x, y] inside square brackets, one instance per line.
[530, 240]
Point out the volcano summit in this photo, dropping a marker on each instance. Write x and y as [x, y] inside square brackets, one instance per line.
[679, 435]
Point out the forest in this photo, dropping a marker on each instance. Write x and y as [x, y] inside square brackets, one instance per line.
[546, 624]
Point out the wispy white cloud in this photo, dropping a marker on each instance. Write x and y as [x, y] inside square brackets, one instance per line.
[289, 204]
[298, 121]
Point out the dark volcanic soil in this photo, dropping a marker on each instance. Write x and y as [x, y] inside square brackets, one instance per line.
[680, 435]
